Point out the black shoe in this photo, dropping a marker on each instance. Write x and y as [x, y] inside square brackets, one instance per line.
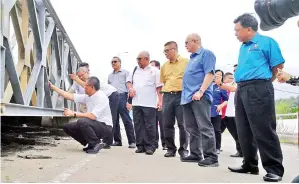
[244, 169]
[169, 154]
[149, 152]
[190, 158]
[140, 150]
[86, 148]
[208, 163]
[117, 144]
[183, 153]
[95, 149]
[272, 177]
[238, 154]
[106, 146]
[132, 145]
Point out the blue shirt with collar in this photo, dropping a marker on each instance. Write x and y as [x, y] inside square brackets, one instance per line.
[219, 96]
[201, 63]
[257, 58]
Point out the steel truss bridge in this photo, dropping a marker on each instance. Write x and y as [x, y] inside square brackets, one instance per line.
[35, 48]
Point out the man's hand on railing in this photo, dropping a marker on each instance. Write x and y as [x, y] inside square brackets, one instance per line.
[68, 112]
[51, 86]
[73, 76]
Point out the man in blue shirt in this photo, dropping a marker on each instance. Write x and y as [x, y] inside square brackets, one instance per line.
[196, 100]
[258, 63]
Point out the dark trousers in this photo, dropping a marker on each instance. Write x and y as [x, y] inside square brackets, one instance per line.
[198, 125]
[125, 116]
[256, 125]
[230, 124]
[216, 122]
[113, 102]
[87, 131]
[145, 127]
[159, 124]
[171, 110]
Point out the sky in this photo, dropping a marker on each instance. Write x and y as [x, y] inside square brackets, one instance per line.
[103, 29]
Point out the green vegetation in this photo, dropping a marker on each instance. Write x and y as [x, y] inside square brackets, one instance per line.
[287, 106]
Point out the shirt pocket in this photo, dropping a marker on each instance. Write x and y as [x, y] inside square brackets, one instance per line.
[255, 55]
[150, 79]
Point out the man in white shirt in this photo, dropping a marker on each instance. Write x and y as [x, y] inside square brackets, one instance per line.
[145, 90]
[110, 92]
[93, 125]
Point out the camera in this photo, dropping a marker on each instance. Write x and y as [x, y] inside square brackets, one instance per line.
[274, 13]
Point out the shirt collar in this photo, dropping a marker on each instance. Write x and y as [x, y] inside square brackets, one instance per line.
[197, 52]
[177, 59]
[120, 70]
[148, 66]
[254, 39]
[93, 97]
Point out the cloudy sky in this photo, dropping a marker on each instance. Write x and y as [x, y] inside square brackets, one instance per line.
[102, 29]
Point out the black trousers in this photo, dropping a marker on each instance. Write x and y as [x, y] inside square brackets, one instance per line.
[145, 127]
[159, 124]
[197, 115]
[125, 116]
[216, 122]
[256, 125]
[171, 110]
[87, 131]
[230, 124]
[113, 102]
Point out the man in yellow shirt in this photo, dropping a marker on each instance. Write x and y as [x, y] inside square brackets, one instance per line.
[171, 76]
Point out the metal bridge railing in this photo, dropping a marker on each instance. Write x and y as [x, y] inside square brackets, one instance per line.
[35, 48]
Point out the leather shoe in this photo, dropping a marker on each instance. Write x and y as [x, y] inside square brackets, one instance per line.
[149, 152]
[272, 177]
[184, 154]
[244, 169]
[190, 158]
[169, 154]
[140, 150]
[238, 154]
[117, 144]
[132, 145]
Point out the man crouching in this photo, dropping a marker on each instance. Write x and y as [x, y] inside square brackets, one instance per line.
[93, 125]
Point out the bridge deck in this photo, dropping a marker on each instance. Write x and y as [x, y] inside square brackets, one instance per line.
[120, 164]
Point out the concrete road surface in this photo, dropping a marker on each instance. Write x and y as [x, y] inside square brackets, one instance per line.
[120, 164]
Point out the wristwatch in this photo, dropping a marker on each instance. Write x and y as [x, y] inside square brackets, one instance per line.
[293, 81]
[201, 91]
[75, 115]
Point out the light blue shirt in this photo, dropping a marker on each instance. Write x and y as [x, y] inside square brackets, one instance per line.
[257, 58]
[201, 63]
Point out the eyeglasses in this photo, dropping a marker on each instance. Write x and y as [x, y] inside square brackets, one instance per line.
[114, 61]
[167, 50]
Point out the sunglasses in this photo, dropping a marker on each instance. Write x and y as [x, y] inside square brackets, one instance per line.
[114, 61]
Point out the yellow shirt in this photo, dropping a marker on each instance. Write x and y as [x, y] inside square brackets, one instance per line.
[172, 74]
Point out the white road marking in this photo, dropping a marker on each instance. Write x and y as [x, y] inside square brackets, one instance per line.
[72, 170]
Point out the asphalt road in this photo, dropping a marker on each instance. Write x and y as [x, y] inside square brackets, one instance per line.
[120, 164]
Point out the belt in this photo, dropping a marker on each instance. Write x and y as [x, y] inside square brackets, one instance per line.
[254, 81]
[173, 92]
